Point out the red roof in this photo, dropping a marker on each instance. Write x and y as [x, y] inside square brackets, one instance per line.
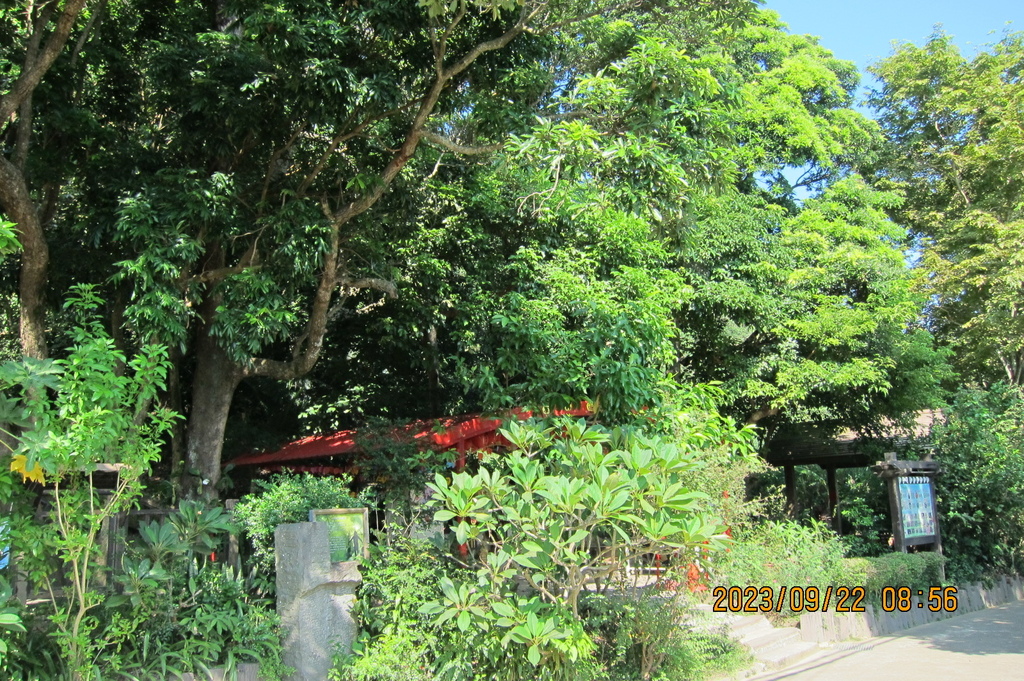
[470, 432]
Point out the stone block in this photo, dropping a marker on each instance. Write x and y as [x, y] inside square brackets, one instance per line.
[314, 599]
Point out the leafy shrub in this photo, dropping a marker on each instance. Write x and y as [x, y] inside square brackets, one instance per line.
[396, 640]
[177, 611]
[287, 498]
[224, 625]
[400, 643]
[33, 654]
[647, 634]
[569, 505]
[864, 508]
[782, 553]
[10, 619]
[863, 503]
[172, 611]
[916, 570]
[394, 656]
[92, 408]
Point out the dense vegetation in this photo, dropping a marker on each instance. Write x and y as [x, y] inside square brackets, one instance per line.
[231, 223]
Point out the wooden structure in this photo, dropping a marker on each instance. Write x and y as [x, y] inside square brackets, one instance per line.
[912, 501]
[847, 450]
[830, 455]
[338, 453]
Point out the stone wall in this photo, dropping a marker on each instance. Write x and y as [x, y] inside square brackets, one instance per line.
[314, 599]
[832, 626]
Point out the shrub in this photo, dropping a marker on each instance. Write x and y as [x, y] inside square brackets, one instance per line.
[647, 634]
[916, 570]
[396, 640]
[92, 408]
[783, 553]
[10, 618]
[569, 505]
[287, 498]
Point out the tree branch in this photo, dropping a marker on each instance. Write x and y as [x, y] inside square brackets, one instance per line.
[457, 148]
[306, 349]
[33, 72]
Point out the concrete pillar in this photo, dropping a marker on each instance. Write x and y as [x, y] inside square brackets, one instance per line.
[314, 599]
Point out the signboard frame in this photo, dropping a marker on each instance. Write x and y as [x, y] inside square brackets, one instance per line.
[345, 527]
[909, 507]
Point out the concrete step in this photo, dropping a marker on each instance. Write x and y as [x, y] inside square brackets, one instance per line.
[788, 654]
[772, 648]
[769, 640]
[751, 626]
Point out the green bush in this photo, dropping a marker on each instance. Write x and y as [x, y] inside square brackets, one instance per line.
[637, 637]
[394, 656]
[397, 642]
[652, 635]
[33, 654]
[783, 553]
[916, 570]
[10, 618]
[168, 611]
[287, 498]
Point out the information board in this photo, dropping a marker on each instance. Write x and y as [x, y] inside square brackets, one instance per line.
[917, 506]
[348, 531]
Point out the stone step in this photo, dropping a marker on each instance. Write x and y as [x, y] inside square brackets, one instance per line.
[772, 648]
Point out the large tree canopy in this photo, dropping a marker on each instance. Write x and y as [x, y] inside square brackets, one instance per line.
[456, 206]
[804, 312]
[955, 129]
[249, 145]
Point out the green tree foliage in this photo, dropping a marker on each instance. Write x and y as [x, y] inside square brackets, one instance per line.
[811, 316]
[981, 490]
[797, 110]
[790, 306]
[954, 128]
[594, 322]
[265, 227]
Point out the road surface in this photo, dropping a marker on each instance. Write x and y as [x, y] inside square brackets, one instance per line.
[987, 645]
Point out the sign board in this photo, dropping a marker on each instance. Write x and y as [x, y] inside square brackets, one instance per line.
[915, 516]
[348, 531]
[917, 506]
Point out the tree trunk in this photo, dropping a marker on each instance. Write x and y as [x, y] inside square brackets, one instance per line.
[213, 388]
[174, 403]
[35, 258]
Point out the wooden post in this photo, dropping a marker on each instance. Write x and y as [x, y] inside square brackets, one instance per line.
[111, 541]
[234, 558]
[833, 498]
[790, 474]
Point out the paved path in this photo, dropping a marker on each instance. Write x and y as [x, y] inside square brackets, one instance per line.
[981, 646]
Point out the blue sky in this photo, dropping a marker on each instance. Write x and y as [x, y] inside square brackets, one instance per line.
[862, 31]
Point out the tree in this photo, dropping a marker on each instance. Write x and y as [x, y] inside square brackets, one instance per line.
[805, 312]
[253, 235]
[40, 33]
[981, 447]
[955, 133]
[810, 317]
[797, 128]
